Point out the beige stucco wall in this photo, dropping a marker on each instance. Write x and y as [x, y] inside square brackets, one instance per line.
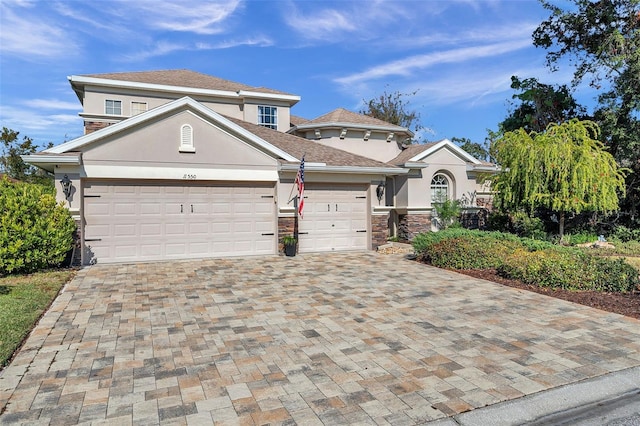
[158, 143]
[376, 147]
[94, 104]
[445, 162]
[250, 113]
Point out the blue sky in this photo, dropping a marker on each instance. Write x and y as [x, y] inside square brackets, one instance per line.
[458, 55]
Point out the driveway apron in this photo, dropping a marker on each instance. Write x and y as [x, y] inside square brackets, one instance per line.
[326, 339]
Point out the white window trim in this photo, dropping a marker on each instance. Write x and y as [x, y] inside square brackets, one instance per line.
[186, 140]
[274, 109]
[146, 107]
[440, 187]
[110, 113]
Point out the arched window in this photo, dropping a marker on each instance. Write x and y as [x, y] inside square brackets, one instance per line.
[439, 188]
[186, 139]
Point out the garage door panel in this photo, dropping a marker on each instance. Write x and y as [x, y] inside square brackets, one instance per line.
[150, 208]
[150, 229]
[150, 250]
[124, 230]
[332, 218]
[153, 222]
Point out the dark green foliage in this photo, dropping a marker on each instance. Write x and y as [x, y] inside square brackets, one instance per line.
[11, 163]
[478, 150]
[35, 232]
[520, 223]
[541, 105]
[625, 234]
[393, 108]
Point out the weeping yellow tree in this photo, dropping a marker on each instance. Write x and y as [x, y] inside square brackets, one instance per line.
[565, 169]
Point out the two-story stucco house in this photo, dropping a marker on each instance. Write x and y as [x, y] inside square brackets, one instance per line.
[179, 165]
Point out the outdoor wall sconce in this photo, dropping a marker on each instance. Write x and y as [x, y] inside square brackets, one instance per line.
[65, 182]
[380, 191]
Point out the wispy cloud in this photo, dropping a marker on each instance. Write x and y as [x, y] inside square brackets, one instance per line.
[26, 35]
[197, 17]
[38, 125]
[51, 104]
[163, 48]
[406, 66]
[322, 24]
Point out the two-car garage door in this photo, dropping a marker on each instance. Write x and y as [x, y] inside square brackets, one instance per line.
[138, 222]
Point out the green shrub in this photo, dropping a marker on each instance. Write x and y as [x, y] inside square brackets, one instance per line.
[35, 232]
[569, 268]
[447, 213]
[527, 226]
[470, 252]
[624, 234]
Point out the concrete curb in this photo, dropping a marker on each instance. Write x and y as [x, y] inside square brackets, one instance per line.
[595, 401]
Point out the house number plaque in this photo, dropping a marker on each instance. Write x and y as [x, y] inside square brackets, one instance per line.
[189, 176]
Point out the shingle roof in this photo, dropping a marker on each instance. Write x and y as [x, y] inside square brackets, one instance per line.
[296, 121]
[183, 78]
[342, 115]
[410, 152]
[313, 152]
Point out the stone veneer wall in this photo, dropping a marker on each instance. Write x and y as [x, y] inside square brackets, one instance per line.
[286, 226]
[379, 230]
[410, 225]
[92, 126]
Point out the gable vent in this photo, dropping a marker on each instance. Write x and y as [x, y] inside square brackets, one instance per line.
[186, 139]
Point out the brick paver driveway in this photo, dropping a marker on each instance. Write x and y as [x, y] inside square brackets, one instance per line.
[338, 338]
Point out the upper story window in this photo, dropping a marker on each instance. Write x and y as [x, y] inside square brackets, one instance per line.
[268, 116]
[138, 108]
[112, 107]
[439, 189]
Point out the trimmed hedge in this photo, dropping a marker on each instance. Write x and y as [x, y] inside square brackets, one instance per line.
[35, 232]
[569, 269]
[531, 261]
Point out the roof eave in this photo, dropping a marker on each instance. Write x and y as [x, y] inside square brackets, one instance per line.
[347, 125]
[344, 169]
[49, 161]
[80, 81]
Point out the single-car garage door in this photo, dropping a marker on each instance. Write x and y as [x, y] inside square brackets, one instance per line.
[179, 220]
[335, 218]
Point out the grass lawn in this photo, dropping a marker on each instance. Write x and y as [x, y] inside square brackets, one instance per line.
[23, 299]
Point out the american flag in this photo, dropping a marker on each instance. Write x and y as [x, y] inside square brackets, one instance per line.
[300, 183]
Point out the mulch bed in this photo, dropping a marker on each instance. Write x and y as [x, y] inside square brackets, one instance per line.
[627, 304]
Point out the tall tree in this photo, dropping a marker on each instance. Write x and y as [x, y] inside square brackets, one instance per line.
[602, 40]
[478, 150]
[541, 104]
[564, 169]
[393, 108]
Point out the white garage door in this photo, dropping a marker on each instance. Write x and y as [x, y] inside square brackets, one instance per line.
[335, 218]
[134, 222]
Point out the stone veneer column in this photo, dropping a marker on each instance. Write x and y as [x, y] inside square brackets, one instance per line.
[417, 224]
[285, 227]
[379, 229]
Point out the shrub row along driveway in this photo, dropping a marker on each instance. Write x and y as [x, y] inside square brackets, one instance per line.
[315, 339]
